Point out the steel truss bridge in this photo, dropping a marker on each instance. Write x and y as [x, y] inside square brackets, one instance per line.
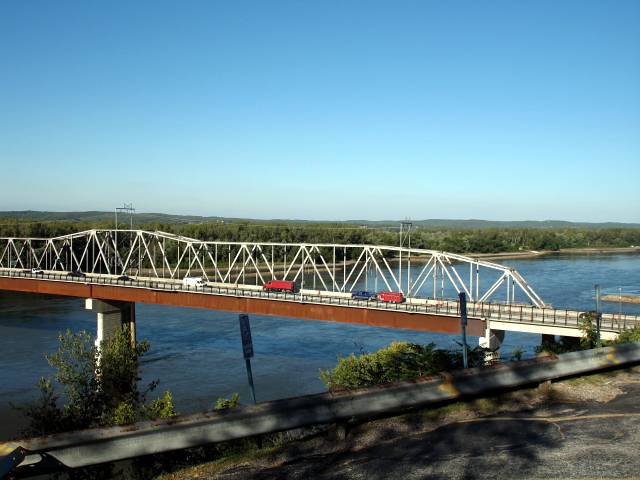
[326, 267]
[137, 265]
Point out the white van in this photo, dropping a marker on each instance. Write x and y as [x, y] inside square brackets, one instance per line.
[193, 282]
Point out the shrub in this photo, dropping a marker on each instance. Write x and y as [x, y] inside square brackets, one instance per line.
[588, 340]
[399, 361]
[100, 388]
[124, 413]
[589, 331]
[516, 354]
[628, 335]
[225, 403]
[566, 344]
[161, 407]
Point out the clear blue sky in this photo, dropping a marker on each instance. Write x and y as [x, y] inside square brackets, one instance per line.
[323, 110]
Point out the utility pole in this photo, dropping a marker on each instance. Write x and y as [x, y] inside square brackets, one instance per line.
[620, 300]
[463, 326]
[126, 208]
[598, 315]
[405, 238]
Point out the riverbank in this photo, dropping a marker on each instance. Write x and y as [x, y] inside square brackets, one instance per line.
[279, 267]
[621, 298]
[540, 253]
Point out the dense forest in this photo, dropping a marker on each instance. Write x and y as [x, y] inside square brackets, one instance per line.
[485, 240]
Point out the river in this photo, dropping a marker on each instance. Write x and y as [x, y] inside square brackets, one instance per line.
[197, 353]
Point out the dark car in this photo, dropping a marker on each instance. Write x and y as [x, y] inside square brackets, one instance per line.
[124, 278]
[76, 274]
[363, 295]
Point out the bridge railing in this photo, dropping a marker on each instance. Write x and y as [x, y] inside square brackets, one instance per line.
[489, 310]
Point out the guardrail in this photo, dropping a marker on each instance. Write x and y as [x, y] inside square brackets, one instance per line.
[89, 447]
[489, 310]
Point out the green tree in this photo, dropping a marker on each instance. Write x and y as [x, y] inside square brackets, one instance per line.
[100, 387]
[399, 361]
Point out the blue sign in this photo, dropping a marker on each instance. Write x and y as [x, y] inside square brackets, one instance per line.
[463, 309]
[245, 333]
[463, 327]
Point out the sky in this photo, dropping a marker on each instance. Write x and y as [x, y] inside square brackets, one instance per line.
[498, 110]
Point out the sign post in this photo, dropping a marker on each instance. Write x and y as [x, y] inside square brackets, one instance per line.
[598, 316]
[463, 325]
[247, 349]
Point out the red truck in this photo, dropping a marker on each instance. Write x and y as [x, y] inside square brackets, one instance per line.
[280, 286]
[391, 297]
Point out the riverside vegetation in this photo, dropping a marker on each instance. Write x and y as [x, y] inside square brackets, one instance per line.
[101, 390]
[456, 240]
[397, 362]
[99, 387]
[589, 338]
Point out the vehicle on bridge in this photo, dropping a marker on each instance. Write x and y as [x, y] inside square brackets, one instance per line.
[391, 297]
[364, 295]
[193, 282]
[280, 286]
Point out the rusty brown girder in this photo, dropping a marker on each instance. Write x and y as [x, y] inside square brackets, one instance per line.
[282, 308]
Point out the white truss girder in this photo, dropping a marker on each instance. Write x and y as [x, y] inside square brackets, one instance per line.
[331, 267]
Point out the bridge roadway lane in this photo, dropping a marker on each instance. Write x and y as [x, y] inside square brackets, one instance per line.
[416, 314]
[245, 300]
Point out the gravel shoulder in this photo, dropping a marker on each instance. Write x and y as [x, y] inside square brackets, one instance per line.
[588, 427]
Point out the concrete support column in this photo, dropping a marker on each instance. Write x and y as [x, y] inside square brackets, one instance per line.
[492, 340]
[111, 316]
[573, 341]
[547, 339]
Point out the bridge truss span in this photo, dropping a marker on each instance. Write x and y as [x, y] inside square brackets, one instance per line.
[331, 268]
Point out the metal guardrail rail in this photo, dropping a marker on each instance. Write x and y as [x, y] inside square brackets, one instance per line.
[487, 310]
[89, 447]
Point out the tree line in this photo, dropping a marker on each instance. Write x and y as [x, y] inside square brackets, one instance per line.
[485, 240]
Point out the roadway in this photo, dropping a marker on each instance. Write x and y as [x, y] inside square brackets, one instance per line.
[415, 313]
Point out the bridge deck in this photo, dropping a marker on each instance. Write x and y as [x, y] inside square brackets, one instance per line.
[415, 314]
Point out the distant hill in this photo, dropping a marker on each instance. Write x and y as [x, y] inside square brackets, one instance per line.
[479, 224]
[145, 218]
[96, 216]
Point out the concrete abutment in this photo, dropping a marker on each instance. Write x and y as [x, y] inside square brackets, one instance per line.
[111, 316]
[493, 341]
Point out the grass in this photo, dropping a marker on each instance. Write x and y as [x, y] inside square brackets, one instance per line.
[214, 467]
[596, 378]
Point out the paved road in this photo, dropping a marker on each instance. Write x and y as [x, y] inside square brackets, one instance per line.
[580, 440]
[516, 314]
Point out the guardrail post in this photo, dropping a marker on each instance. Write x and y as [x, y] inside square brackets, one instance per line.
[338, 432]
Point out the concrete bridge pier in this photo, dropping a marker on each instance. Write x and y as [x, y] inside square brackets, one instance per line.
[111, 316]
[546, 338]
[492, 340]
